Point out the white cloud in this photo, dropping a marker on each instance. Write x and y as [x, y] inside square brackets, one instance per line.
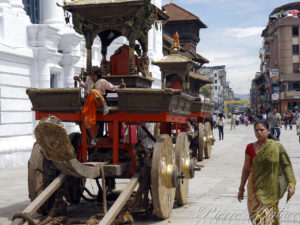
[244, 32]
[237, 49]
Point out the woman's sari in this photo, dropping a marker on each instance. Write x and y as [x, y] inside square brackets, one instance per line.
[270, 173]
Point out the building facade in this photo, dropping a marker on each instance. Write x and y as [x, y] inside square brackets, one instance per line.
[221, 90]
[280, 58]
[39, 50]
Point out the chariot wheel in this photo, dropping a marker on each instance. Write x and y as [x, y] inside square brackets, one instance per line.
[208, 136]
[201, 144]
[181, 155]
[41, 172]
[163, 164]
[74, 186]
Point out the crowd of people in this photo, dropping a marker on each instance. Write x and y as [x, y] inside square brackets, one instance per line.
[274, 118]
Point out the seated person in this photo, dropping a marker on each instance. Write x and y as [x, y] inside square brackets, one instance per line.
[96, 88]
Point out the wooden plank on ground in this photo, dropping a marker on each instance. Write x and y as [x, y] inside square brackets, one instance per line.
[120, 202]
[42, 198]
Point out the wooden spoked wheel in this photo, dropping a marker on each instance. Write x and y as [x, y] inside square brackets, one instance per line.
[181, 155]
[207, 134]
[41, 172]
[162, 195]
[201, 144]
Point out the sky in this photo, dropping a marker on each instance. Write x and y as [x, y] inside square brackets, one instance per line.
[233, 37]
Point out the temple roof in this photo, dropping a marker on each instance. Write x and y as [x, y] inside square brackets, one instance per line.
[204, 79]
[174, 58]
[176, 13]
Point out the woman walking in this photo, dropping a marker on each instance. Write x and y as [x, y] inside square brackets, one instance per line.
[269, 172]
[220, 124]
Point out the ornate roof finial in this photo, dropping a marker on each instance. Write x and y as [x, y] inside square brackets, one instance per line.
[176, 45]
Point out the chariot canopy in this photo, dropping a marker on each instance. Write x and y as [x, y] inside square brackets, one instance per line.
[110, 19]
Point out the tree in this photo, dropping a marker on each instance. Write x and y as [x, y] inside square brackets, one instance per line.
[206, 90]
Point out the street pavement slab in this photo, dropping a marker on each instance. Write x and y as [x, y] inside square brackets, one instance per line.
[212, 193]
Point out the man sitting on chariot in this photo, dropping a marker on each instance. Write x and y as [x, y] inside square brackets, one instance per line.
[95, 88]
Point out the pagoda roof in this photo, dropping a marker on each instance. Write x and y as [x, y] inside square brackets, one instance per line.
[176, 58]
[176, 13]
[202, 78]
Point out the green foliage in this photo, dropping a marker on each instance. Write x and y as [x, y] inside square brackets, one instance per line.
[206, 90]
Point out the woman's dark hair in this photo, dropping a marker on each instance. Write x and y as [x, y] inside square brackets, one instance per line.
[96, 70]
[221, 115]
[262, 122]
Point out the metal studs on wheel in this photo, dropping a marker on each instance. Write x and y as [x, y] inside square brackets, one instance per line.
[201, 143]
[208, 140]
[182, 161]
[163, 175]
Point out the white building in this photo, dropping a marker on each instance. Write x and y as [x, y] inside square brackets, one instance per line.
[43, 55]
[221, 90]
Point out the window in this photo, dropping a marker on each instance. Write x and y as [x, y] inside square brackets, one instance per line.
[295, 31]
[216, 88]
[215, 75]
[32, 9]
[295, 49]
[53, 81]
[216, 81]
[296, 68]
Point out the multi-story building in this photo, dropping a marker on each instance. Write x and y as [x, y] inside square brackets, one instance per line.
[221, 90]
[280, 57]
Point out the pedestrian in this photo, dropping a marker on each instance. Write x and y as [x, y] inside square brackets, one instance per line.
[237, 121]
[232, 123]
[290, 118]
[220, 124]
[298, 128]
[269, 172]
[297, 116]
[246, 121]
[285, 120]
[274, 120]
[214, 119]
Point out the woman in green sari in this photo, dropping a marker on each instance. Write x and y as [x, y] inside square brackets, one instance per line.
[269, 172]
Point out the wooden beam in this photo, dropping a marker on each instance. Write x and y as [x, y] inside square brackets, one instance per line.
[41, 199]
[120, 202]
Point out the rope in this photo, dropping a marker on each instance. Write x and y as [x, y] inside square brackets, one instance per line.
[25, 217]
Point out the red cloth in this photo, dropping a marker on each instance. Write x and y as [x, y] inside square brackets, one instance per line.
[291, 117]
[250, 150]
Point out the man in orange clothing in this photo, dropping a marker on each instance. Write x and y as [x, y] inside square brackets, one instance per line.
[96, 88]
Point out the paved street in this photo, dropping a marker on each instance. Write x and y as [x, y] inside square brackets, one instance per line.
[212, 198]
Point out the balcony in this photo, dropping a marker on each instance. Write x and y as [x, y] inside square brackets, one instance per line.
[290, 95]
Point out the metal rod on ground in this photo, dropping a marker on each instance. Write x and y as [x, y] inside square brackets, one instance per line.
[41, 199]
[120, 202]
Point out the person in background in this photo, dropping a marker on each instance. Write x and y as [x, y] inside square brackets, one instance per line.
[264, 116]
[232, 123]
[246, 121]
[220, 124]
[274, 120]
[266, 161]
[290, 118]
[214, 116]
[297, 116]
[237, 121]
[285, 120]
[298, 128]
